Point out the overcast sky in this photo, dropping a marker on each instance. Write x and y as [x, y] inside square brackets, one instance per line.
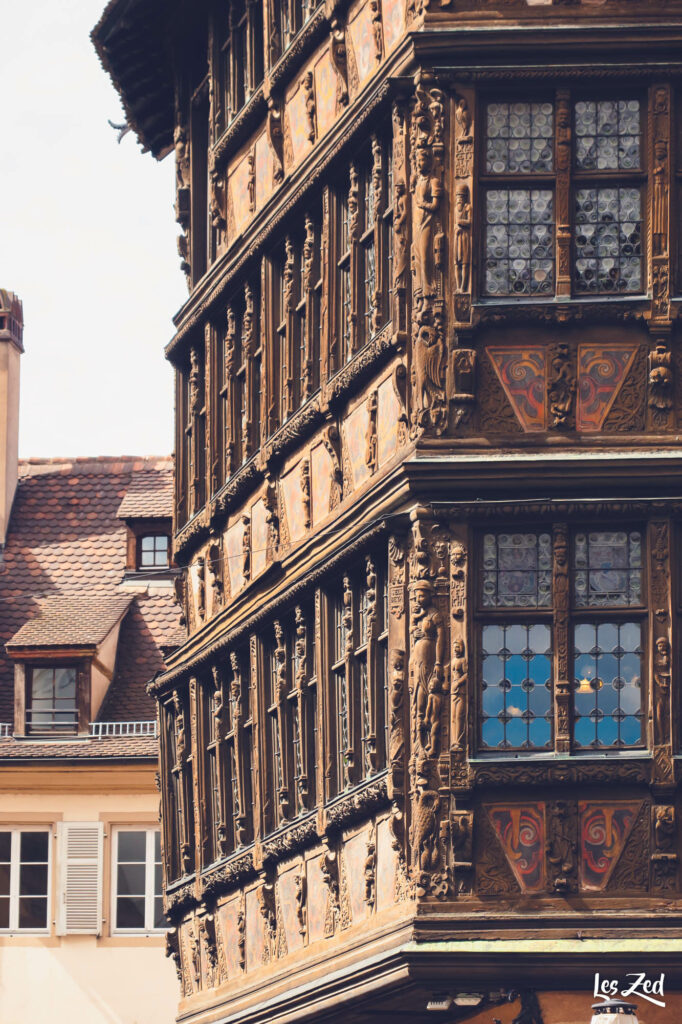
[87, 241]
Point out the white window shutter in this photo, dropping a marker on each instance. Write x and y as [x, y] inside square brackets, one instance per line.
[80, 896]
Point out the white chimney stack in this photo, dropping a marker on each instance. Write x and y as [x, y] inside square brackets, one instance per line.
[11, 347]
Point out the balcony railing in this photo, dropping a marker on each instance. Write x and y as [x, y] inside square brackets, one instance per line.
[100, 729]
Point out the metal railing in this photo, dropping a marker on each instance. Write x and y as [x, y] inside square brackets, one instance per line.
[100, 729]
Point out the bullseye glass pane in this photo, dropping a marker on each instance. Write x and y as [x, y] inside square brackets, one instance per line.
[607, 570]
[519, 138]
[608, 240]
[607, 135]
[519, 246]
[516, 704]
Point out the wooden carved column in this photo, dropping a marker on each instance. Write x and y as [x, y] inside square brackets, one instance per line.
[212, 462]
[462, 707]
[220, 717]
[429, 706]
[461, 383]
[351, 709]
[664, 859]
[280, 697]
[321, 640]
[258, 795]
[193, 776]
[660, 402]
[265, 367]
[401, 224]
[356, 282]
[180, 771]
[288, 284]
[427, 187]
[370, 751]
[195, 410]
[563, 193]
[325, 299]
[399, 702]
[660, 652]
[227, 392]
[378, 205]
[240, 755]
[248, 346]
[301, 655]
[307, 369]
[562, 603]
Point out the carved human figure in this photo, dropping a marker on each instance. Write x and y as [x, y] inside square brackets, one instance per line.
[427, 655]
[463, 117]
[462, 238]
[662, 675]
[428, 360]
[425, 825]
[180, 731]
[434, 705]
[396, 697]
[659, 200]
[400, 233]
[427, 196]
[664, 829]
[459, 686]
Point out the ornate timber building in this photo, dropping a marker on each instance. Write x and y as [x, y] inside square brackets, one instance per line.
[422, 747]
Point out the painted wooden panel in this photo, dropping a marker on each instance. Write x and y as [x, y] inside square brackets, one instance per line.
[229, 920]
[239, 196]
[521, 831]
[287, 886]
[387, 863]
[259, 538]
[355, 855]
[263, 166]
[522, 372]
[362, 40]
[388, 411]
[292, 498]
[254, 932]
[604, 831]
[602, 371]
[317, 900]
[234, 553]
[355, 438]
[325, 93]
[321, 482]
[297, 125]
[393, 12]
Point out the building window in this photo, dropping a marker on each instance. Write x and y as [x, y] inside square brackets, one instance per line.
[534, 166]
[52, 705]
[343, 348]
[24, 879]
[136, 874]
[524, 618]
[240, 57]
[154, 551]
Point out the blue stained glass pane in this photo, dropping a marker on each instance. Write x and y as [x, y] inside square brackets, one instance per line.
[607, 688]
[517, 689]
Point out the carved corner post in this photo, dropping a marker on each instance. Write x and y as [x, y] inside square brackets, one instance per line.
[280, 699]
[462, 710]
[429, 705]
[289, 279]
[307, 370]
[401, 224]
[227, 392]
[248, 348]
[193, 779]
[236, 699]
[327, 323]
[321, 656]
[219, 711]
[659, 249]
[563, 193]
[661, 656]
[368, 699]
[196, 410]
[356, 271]
[349, 614]
[212, 458]
[338, 52]
[258, 754]
[183, 199]
[562, 601]
[265, 356]
[399, 703]
[427, 187]
[300, 681]
[180, 504]
[464, 134]
[378, 207]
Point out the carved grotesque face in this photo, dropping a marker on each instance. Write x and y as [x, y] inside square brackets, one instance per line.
[661, 149]
[662, 647]
[661, 376]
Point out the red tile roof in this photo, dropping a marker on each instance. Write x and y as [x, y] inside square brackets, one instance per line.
[109, 747]
[71, 622]
[149, 496]
[65, 540]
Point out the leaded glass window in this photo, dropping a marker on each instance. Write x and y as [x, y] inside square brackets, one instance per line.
[608, 568]
[548, 597]
[533, 166]
[609, 702]
[517, 687]
[517, 570]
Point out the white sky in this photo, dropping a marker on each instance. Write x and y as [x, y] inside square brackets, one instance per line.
[87, 241]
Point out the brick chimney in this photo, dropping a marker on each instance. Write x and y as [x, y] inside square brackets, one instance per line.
[11, 347]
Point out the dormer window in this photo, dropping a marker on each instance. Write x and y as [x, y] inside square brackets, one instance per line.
[153, 551]
[52, 704]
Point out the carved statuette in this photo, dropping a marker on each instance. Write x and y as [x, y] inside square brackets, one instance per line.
[561, 387]
[661, 390]
[308, 86]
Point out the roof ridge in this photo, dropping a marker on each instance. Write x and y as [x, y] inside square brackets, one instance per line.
[95, 463]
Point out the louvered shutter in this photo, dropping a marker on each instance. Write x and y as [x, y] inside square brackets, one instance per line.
[80, 897]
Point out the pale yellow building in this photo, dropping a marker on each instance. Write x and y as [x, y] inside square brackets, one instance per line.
[87, 616]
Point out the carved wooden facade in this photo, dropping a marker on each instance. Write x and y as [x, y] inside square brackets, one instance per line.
[428, 497]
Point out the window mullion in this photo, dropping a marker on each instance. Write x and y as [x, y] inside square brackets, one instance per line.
[562, 599]
[149, 880]
[563, 163]
[14, 870]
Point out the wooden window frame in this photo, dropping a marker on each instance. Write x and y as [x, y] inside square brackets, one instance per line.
[150, 878]
[15, 870]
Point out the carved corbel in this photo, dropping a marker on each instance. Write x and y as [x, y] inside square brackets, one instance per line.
[665, 858]
[251, 184]
[207, 931]
[463, 384]
[268, 909]
[246, 548]
[271, 520]
[275, 137]
[329, 866]
[214, 567]
[661, 395]
[180, 585]
[339, 57]
[332, 443]
[216, 198]
[241, 932]
[173, 951]
[302, 903]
